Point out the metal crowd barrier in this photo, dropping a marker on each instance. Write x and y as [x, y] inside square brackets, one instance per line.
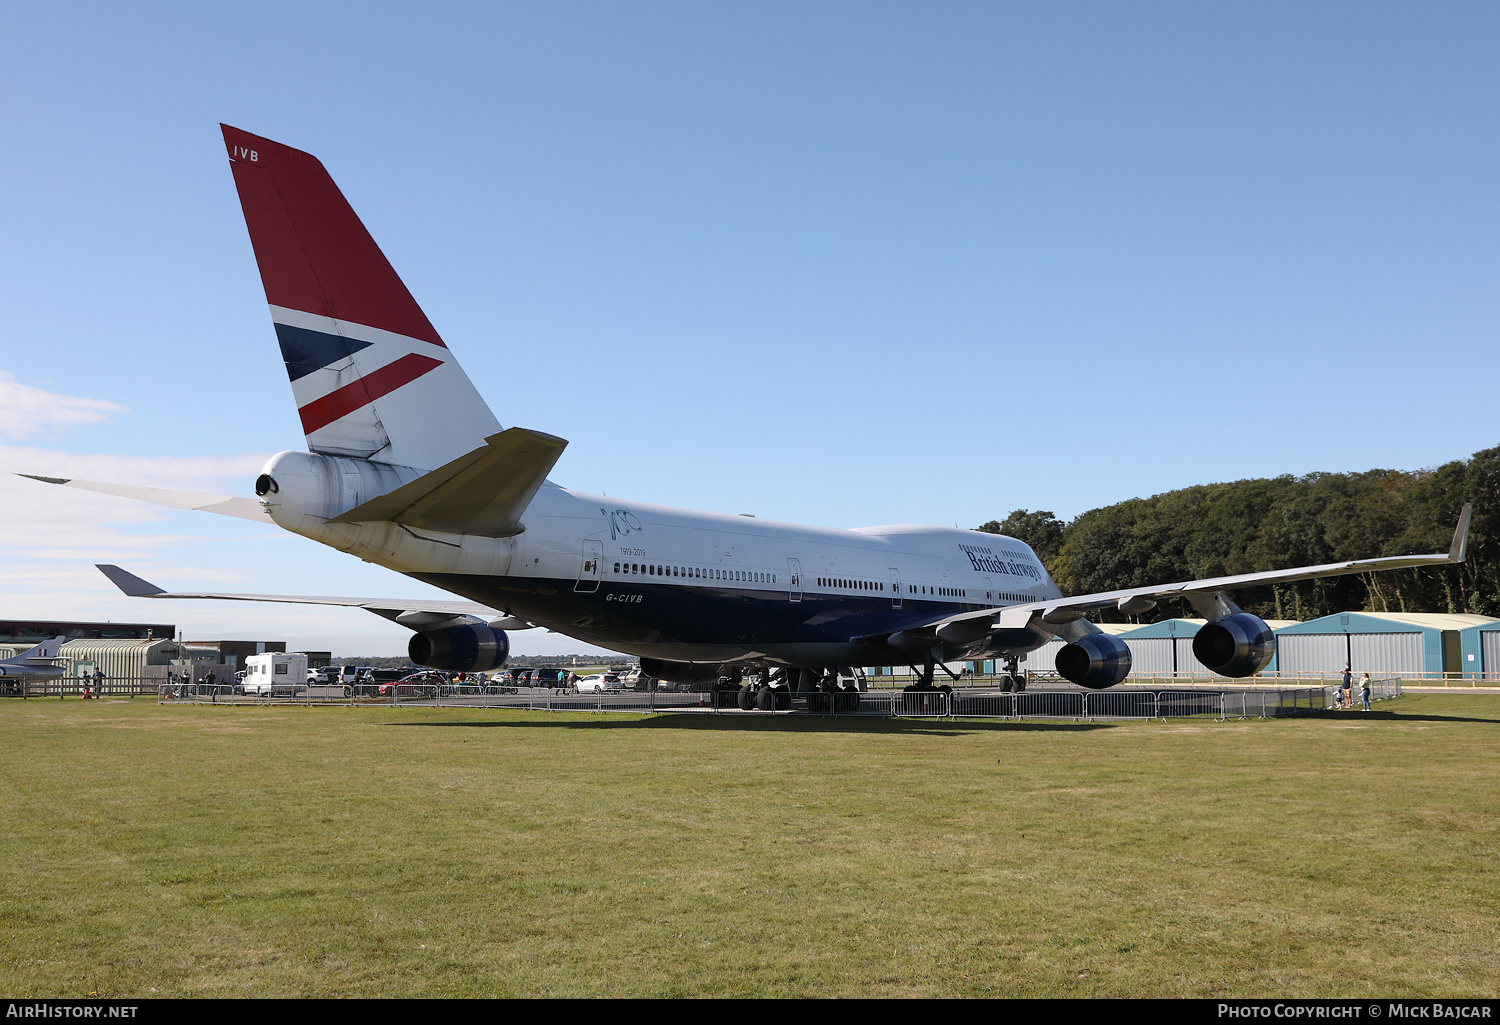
[1070, 704]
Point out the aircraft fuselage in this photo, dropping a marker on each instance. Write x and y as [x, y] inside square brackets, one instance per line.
[676, 584]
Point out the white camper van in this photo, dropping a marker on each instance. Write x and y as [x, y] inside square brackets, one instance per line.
[275, 673]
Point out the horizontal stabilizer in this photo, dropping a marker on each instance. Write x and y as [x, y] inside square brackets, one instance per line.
[483, 492]
[243, 508]
[390, 608]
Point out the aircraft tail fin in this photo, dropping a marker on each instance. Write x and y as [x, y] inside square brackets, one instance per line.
[44, 652]
[371, 377]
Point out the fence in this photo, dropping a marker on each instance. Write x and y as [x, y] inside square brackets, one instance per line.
[1070, 704]
[1204, 679]
[73, 687]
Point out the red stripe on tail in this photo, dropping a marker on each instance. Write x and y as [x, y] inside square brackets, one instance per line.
[356, 394]
[314, 252]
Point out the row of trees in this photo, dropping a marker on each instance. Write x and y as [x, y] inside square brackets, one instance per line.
[1253, 525]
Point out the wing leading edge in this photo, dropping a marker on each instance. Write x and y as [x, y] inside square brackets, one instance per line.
[1203, 593]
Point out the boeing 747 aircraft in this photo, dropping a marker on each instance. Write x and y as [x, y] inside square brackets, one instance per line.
[455, 500]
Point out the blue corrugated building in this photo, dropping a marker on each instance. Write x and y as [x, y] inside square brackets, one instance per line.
[1403, 643]
[1479, 651]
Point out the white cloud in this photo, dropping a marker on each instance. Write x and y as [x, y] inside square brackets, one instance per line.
[51, 537]
[44, 521]
[30, 410]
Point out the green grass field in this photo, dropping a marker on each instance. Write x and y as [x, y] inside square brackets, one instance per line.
[216, 851]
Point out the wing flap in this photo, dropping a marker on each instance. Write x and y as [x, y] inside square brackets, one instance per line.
[481, 492]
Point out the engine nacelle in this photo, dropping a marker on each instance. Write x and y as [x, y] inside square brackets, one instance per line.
[1096, 661]
[460, 649]
[687, 673]
[1237, 645]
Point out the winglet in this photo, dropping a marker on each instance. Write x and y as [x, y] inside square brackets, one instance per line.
[131, 584]
[1460, 535]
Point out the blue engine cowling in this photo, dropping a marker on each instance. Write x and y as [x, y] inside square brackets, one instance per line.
[460, 649]
[1096, 661]
[1237, 645]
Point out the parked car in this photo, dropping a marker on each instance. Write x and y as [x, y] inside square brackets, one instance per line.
[598, 683]
[635, 679]
[429, 684]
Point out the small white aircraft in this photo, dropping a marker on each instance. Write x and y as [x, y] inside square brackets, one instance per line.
[36, 663]
[407, 468]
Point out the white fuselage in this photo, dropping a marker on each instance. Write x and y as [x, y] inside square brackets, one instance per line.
[677, 584]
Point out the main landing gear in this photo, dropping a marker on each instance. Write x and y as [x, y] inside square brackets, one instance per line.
[770, 690]
[1012, 679]
[924, 679]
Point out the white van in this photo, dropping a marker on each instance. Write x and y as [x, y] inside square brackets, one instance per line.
[275, 673]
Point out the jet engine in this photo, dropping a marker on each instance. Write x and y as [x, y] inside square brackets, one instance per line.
[1237, 645]
[688, 673]
[460, 649]
[1096, 661]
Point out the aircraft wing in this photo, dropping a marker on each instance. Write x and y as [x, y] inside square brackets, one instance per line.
[969, 626]
[244, 508]
[398, 609]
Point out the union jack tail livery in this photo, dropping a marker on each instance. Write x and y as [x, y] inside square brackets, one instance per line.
[371, 377]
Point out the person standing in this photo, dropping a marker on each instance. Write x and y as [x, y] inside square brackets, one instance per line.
[1364, 691]
[1346, 690]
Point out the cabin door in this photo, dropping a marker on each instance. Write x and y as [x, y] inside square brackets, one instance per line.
[591, 570]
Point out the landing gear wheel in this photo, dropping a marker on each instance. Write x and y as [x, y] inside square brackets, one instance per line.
[765, 699]
[746, 698]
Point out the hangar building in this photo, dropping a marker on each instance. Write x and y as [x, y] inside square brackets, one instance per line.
[1479, 651]
[1405, 643]
[118, 657]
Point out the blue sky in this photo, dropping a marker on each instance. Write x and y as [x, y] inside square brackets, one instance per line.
[831, 263]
